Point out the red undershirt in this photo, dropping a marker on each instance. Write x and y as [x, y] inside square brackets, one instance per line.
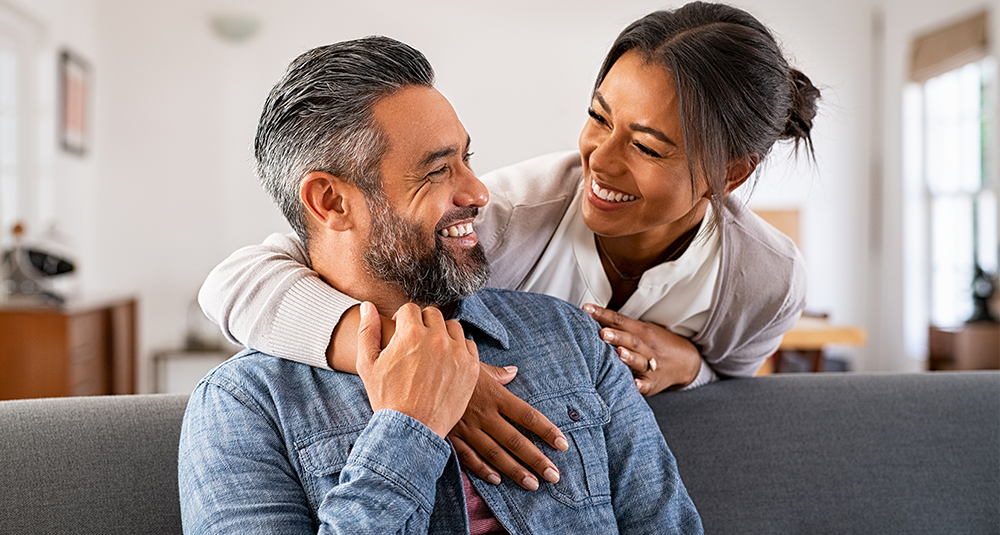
[481, 518]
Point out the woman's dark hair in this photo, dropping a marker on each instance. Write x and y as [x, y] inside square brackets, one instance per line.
[736, 91]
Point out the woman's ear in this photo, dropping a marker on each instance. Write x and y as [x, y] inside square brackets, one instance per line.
[328, 200]
[740, 170]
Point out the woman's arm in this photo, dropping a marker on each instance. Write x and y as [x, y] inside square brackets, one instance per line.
[265, 297]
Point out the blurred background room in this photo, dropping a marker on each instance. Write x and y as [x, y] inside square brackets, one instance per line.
[126, 125]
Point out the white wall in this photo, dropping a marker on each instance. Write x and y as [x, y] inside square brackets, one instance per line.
[168, 190]
[58, 185]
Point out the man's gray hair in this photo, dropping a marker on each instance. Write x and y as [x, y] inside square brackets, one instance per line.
[318, 117]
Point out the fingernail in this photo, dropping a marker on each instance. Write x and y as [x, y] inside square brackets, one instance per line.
[493, 478]
[607, 336]
[561, 444]
[588, 308]
[510, 369]
[529, 483]
[551, 475]
[623, 353]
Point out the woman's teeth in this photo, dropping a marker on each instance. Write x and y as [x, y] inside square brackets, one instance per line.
[608, 195]
[456, 231]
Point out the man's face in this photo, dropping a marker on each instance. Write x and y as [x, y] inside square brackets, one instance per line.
[421, 232]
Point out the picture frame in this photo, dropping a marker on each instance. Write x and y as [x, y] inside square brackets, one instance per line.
[74, 89]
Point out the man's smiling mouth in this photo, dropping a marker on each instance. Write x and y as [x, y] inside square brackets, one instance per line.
[456, 231]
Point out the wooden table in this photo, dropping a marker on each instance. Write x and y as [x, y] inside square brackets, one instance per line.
[810, 335]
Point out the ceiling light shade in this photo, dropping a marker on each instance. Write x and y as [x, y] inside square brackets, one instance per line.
[236, 28]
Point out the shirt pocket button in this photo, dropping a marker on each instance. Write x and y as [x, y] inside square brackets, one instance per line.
[573, 415]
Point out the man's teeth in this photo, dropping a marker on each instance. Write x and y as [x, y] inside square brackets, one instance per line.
[608, 195]
[456, 231]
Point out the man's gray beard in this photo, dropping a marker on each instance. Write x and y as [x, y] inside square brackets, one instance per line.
[397, 253]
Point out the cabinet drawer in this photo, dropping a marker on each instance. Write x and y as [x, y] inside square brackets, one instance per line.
[89, 363]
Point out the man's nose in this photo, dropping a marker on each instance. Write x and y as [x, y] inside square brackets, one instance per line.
[470, 191]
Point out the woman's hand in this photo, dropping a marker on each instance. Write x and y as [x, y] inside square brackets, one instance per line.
[659, 359]
[483, 437]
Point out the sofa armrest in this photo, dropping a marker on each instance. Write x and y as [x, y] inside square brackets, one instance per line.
[105, 464]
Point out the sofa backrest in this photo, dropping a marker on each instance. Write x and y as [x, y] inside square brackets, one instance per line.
[840, 453]
[101, 465]
[793, 453]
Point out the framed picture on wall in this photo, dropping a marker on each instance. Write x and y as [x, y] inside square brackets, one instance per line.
[74, 86]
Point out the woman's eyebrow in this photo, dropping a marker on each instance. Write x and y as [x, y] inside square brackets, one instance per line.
[653, 132]
[636, 126]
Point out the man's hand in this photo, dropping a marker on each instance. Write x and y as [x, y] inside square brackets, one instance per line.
[484, 429]
[427, 371]
[659, 359]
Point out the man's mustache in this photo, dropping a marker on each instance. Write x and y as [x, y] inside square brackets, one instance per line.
[458, 214]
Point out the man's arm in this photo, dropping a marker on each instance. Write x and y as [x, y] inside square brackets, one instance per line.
[236, 474]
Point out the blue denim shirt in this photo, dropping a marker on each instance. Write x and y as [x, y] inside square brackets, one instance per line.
[273, 446]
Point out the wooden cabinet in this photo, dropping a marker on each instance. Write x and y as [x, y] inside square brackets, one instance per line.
[973, 346]
[81, 349]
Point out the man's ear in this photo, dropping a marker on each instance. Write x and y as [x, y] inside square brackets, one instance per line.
[740, 170]
[329, 200]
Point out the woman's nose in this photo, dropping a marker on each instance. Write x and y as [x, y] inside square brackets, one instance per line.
[603, 157]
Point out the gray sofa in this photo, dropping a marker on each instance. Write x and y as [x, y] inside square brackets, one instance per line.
[810, 453]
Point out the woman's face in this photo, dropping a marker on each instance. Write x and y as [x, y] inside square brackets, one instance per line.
[635, 169]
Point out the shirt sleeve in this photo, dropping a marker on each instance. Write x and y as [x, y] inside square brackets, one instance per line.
[389, 483]
[235, 475]
[266, 298]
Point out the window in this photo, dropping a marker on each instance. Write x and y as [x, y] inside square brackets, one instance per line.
[958, 107]
[9, 193]
[18, 115]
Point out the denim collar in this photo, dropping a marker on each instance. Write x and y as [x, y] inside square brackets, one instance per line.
[473, 312]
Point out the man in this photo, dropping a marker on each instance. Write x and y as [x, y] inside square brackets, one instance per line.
[370, 165]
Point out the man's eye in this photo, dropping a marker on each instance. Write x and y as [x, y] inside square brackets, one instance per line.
[437, 173]
[467, 157]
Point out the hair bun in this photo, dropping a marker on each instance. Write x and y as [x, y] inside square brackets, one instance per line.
[802, 109]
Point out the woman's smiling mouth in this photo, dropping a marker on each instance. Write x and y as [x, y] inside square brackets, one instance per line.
[608, 195]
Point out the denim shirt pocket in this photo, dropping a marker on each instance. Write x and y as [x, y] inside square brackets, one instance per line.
[322, 457]
[583, 468]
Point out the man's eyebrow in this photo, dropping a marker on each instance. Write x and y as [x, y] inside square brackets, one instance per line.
[636, 126]
[445, 152]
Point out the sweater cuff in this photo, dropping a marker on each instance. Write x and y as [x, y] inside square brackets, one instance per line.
[705, 375]
[304, 325]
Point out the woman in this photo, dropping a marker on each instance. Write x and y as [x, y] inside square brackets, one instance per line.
[693, 285]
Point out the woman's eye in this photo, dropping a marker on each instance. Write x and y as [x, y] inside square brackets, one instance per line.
[646, 150]
[596, 116]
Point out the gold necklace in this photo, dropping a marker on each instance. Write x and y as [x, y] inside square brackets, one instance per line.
[673, 256]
